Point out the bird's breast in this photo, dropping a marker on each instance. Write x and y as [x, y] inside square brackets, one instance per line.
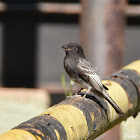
[70, 67]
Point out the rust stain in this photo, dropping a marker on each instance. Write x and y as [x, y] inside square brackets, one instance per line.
[107, 84]
[72, 128]
[130, 106]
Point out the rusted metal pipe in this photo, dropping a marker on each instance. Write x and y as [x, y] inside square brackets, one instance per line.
[133, 10]
[76, 118]
[70, 8]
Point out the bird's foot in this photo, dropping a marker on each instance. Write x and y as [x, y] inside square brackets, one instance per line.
[76, 95]
[69, 97]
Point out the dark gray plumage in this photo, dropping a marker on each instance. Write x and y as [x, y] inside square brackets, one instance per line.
[84, 74]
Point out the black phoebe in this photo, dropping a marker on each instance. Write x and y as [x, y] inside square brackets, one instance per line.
[83, 73]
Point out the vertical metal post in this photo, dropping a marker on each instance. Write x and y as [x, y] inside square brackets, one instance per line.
[102, 35]
[102, 32]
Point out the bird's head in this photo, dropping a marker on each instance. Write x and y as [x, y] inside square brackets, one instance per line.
[73, 49]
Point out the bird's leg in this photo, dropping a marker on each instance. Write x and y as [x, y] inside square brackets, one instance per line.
[87, 92]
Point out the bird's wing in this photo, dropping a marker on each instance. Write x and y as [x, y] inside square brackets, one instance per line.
[88, 72]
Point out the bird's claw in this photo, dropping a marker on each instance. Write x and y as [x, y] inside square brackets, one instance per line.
[76, 95]
[73, 96]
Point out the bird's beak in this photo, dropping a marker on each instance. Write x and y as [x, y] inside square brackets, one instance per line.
[65, 47]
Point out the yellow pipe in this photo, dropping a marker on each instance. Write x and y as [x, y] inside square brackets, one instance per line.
[17, 134]
[134, 66]
[73, 124]
[76, 118]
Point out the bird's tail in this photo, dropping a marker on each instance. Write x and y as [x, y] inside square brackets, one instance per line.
[114, 105]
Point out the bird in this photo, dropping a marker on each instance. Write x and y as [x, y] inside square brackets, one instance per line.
[83, 73]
